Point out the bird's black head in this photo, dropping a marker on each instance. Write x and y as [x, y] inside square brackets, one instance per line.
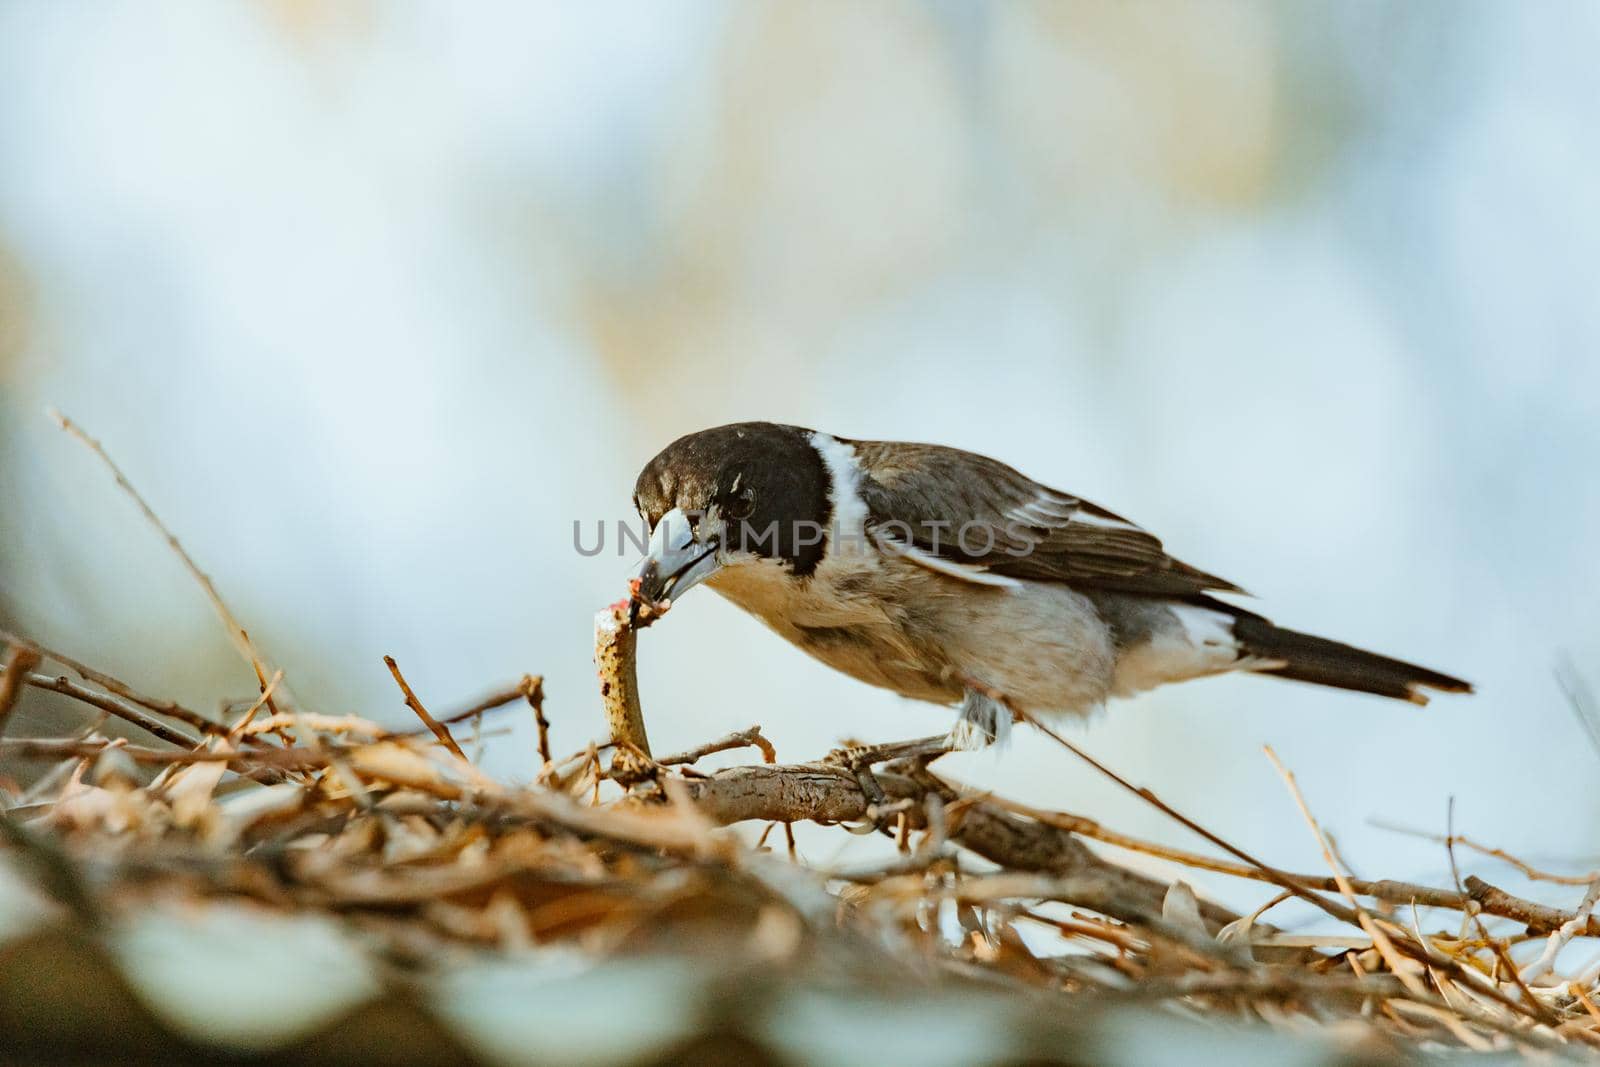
[743, 492]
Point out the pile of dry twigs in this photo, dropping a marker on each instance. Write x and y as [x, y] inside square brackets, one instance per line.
[613, 850]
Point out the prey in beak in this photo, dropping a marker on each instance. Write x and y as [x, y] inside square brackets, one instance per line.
[675, 562]
[745, 502]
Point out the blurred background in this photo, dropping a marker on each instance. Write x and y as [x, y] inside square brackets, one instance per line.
[375, 300]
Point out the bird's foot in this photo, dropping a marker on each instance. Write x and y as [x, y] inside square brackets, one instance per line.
[860, 759]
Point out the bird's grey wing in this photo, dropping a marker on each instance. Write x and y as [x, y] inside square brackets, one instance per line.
[987, 521]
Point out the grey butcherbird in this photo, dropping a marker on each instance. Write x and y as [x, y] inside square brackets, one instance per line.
[949, 577]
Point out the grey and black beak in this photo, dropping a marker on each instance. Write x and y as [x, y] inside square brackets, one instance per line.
[675, 562]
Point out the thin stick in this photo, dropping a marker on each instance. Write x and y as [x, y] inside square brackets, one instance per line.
[746, 738]
[498, 699]
[60, 748]
[1561, 938]
[236, 632]
[1536, 1006]
[126, 712]
[1527, 869]
[439, 729]
[1380, 939]
[1539, 917]
[262, 685]
[266, 695]
[532, 689]
[171, 709]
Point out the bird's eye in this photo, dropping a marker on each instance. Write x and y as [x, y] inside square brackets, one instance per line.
[740, 505]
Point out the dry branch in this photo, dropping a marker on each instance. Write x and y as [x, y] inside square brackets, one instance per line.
[434, 726]
[169, 708]
[237, 632]
[614, 645]
[63, 748]
[746, 738]
[124, 711]
[1539, 918]
[828, 793]
[532, 690]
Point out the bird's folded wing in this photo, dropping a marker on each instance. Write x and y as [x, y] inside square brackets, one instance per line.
[976, 512]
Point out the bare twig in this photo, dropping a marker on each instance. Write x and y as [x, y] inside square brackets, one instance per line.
[1380, 939]
[124, 711]
[170, 708]
[1537, 917]
[746, 738]
[1527, 869]
[502, 697]
[1534, 1005]
[57, 748]
[250, 713]
[1561, 938]
[437, 728]
[498, 699]
[236, 631]
[532, 689]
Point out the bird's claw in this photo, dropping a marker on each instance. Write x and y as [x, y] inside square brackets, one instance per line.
[860, 759]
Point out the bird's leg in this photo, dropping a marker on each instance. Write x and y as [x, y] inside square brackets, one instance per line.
[859, 760]
[984, 720]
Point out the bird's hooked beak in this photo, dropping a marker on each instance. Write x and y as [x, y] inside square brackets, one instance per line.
[675, 562]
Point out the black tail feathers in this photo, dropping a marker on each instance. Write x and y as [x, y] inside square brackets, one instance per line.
[1315, 659]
